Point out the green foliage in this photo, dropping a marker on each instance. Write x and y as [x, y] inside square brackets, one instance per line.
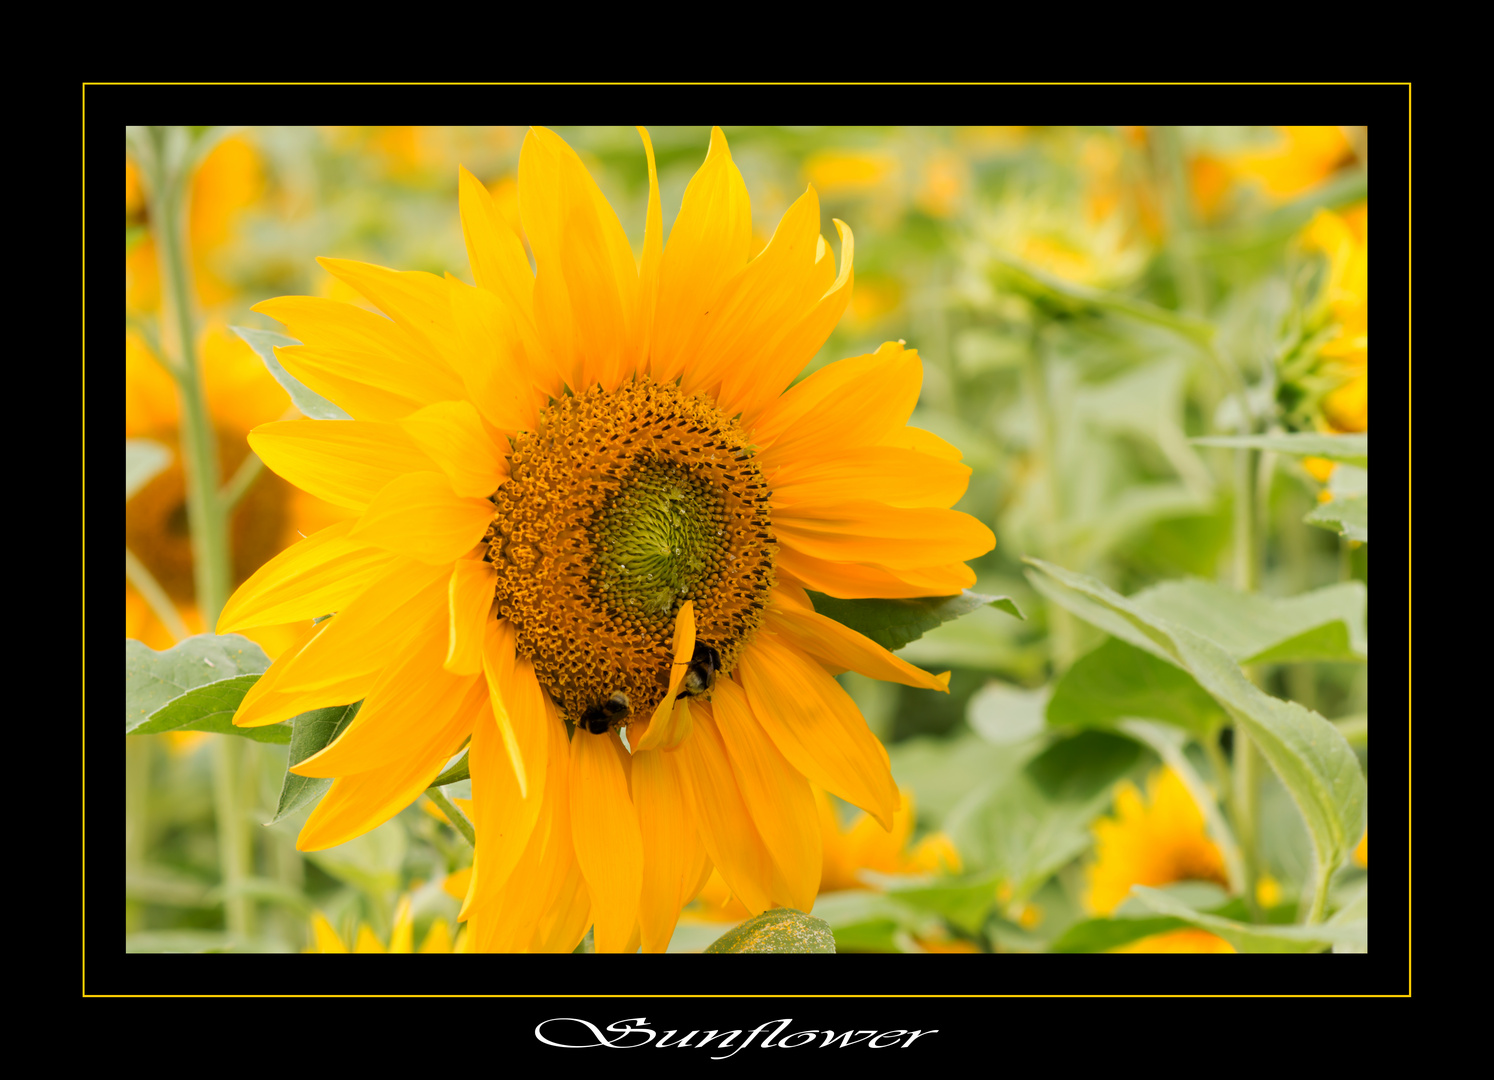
[1117, 681]
[196, 685]
[1249, 938]
[311, 732]
[1351, 449]
[1348, 516]
[1325, 624]
[263, 342]
[777, 930]
[1309, 755]
[894, 623]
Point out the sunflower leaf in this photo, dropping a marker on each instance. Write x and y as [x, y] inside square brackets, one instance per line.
[1347, 516]
[1325, 624]
[194, 686]
[263, 342]
[1313, 760]
[894, 623]
[310, 732]
[778, 930]
[143, 460]
[453, 773]
[1118, 680]
[1249, 938]
[1350, 449]
[1102, 935]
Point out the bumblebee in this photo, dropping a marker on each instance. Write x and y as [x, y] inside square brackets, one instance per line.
[599, 718]
[700, 676]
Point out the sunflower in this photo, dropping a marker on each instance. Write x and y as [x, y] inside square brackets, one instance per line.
[1154, 842]
[588, 508]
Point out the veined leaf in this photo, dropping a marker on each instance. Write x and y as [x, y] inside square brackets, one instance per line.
[194, 686]
[1325, 624]
[1313, 760]
[310, 732]
[1117, 680]
[894, 623]
[143, 460]
[263, 342]
[1347, 516]
[1350, 449]
[1256, 938]
[777, 930]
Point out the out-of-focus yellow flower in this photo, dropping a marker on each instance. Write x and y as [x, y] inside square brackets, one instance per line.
[1299, 160]
[271, 516]
[1063, 240]
[437, 938]
[943, 184]
[1344, 238]
[229, 181]
[1361, 853]
[839, 172]
[1153, 841]
[865, 845]
[1267, 891]
[1178, 941]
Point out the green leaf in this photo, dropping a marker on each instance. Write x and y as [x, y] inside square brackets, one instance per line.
[310, 732]
[1351, 449]
[1313, 760]
[143, 460]
[1004, 714]
[370, 862]
[263, 342]
[1347, 517]
[194, 686]
[1033, 815]
[1325, 624]
[894, 623]
[1248, 938]
[453, 773]
[862, 921]
[1102, 935]
[964, 901]
[778, 930]
[1117, 681]
[1353, 913]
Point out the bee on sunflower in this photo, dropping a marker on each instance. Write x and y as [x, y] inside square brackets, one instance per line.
[588, 508]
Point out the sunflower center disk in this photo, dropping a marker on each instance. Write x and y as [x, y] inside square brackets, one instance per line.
[621, 506]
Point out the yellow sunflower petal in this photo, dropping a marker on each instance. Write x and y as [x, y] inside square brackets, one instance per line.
[843, 647]
[776, 794]
[315, 577]
[346, 462]
[402, 934]
[415, 300]
[500, 664]
[437, 938]
[857, 580]
[925, 442]
[349, 380]
[722, 816]
[367, 941]
[325, 937]
[817, 726]
[854, 402]
[507, 375]
[672, 850]
[604, 830]
[355, 804]
[419, 516]
[669, 725]
[653, 257]
[499, 264]
[469, 596]
[753, 385]
[453, 436]
[898, 477]
[895, 537]
[708, 245]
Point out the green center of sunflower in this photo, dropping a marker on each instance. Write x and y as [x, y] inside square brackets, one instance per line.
[620, 507]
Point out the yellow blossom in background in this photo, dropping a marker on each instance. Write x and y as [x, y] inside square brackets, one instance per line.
[1155, 840]
[1062, 240]
[1267, 891]
[1361, 852]
[270, 517]
[588, 497]
[1298, 160]
[438, 939]
[1177, 941]
[1344, 238]
[865, 845]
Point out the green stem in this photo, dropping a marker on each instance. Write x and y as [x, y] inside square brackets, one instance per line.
[1246, 788]
[1319, 896]
[1061, 629]
[147, 586]
[240, 482]
[233, 838]
[456, 817]
[137, 787]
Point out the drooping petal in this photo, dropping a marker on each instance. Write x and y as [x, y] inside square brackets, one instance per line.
[893, 475]
[649, 266]
[419, 516]
[604, 830]
[346, 462]
[816, 725]
[453, 436]
[755, 383]
[355, 804]
[672, 850]
[500, 664]
[669, 725]
[708, 245]
[842, 647]
[309, 579]
[899, 538]
[469, 596]
[854, 402]
[775, 792]
[722, 816]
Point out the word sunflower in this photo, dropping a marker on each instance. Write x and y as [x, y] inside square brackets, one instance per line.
[589, 511]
